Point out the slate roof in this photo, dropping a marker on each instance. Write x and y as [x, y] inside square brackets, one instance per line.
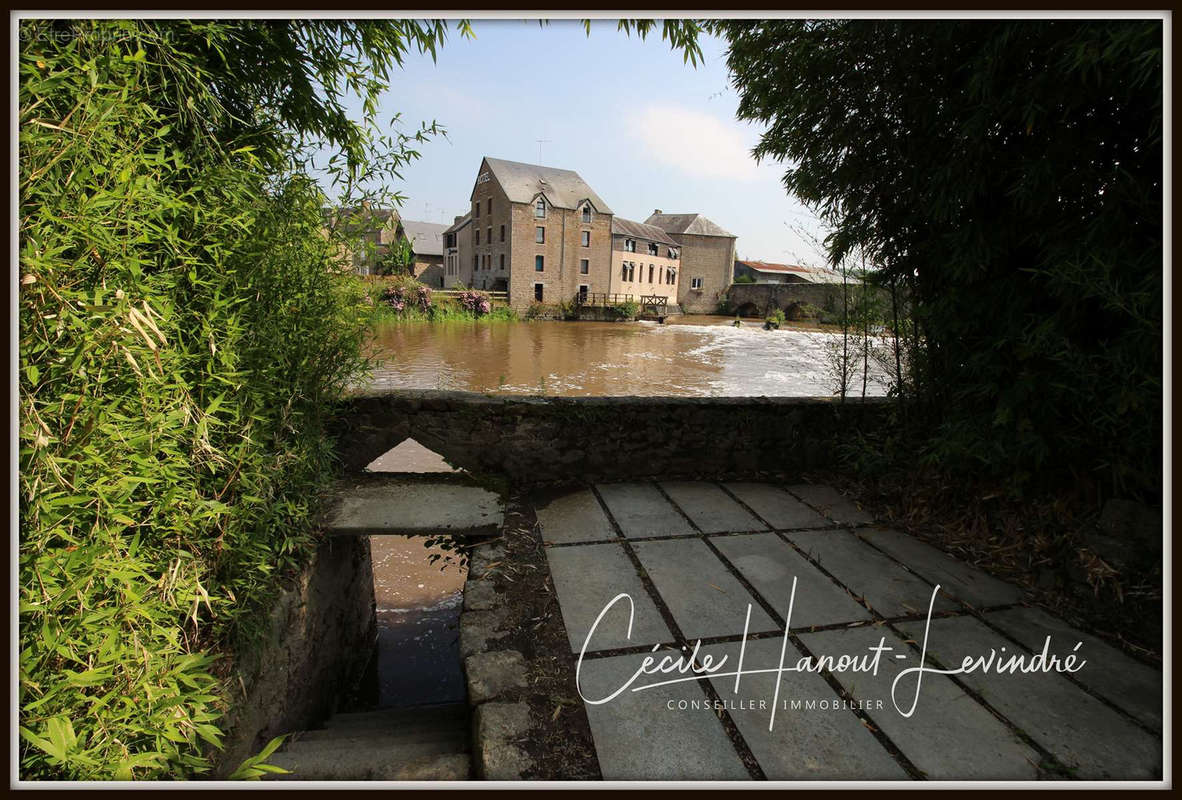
[687, 223]
[639, 230]
[563, 188]
[426, 237]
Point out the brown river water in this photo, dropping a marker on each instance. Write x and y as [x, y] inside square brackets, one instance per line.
[418, 602]
[695, 356]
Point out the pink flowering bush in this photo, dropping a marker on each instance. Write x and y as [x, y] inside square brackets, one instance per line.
[475, 303]
[401, 296]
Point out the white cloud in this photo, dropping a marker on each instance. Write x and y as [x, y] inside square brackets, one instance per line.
[696, 143]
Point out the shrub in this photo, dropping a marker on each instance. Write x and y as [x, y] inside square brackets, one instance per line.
[475, 303]
[182, 333]
[626, 310]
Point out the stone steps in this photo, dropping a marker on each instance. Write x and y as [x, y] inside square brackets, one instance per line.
[426, 743]
[377, 504]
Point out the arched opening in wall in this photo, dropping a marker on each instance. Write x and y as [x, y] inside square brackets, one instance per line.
[749, 310]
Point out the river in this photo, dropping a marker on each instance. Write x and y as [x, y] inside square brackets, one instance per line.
[688, 357]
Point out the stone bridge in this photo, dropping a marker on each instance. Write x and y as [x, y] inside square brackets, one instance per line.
[531, 441]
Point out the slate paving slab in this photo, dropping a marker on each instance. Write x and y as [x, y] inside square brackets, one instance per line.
[641, 510]
[1130, 684]
[889, 589]
[1088, 737]
[770, 564]
[411, 507]
[638, 737]
[817, 743]
[977, 588]
[831, 503]
[586, 578]
[710, 508]
[951, 737]
[574, 517]
[704, 598]
[780, 509]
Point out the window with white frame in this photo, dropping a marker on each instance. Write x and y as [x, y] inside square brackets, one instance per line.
[586, 212]
[695, 283]
[586, 238]
[629, 245]
[540, 208]
[540, 235]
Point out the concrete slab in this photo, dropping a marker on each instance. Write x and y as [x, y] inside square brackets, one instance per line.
[769, 564]
[586, 578]
[781, 510]
[1130, 684]
[711, 509]
[831, 503]
[977, 588]
[817, 743]
[638, 737]
[951, 736]
[414, 508]
[640, 510]
[1088, 737]
[574, 517]
[889, 589]
[411, 457]
[706, 600]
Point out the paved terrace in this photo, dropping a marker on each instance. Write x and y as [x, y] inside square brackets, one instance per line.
[694, 555]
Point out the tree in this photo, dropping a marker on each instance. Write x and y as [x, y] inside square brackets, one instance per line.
[1007, 178]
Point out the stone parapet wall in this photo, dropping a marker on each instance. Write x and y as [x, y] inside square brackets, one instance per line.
[567, 440]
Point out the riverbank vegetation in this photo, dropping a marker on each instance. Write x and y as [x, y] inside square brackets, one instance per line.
[182, 336]
[404, 299]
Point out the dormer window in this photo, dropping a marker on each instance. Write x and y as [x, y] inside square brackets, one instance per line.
[653, 249]
[672, 253]
[630, 245]
[586, 212]
[540, 208]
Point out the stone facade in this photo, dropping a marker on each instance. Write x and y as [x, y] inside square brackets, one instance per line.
[708, 261]
[553, 440]
[457, 254]
[562, 251]
[639, 272]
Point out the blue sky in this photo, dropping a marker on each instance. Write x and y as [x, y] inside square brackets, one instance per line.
[644, 129]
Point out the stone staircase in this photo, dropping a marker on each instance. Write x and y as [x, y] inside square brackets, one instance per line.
[426, 743]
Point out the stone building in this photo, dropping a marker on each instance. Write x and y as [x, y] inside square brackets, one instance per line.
[426, 241]
[539, 233]
[765, 272]
[457, 253]
[645, 261]
[707, 259]
[373, 229]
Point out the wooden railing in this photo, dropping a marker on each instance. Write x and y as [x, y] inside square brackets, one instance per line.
[457, 292]
[601, 299]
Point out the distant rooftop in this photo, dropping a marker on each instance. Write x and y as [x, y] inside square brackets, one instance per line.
[694, 224]
[810, 274]
[639, 230]
[425, 237]
[563, 188]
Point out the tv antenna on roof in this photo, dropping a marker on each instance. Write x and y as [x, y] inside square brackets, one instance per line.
[540, 142]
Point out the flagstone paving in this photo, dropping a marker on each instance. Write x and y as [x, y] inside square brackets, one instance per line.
[693, 556]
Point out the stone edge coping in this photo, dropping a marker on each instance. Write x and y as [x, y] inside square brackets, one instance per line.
[478, 398]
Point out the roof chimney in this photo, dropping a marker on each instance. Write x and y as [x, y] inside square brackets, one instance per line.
[656, 211]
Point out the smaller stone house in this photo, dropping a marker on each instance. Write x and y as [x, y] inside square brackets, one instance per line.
[426, 239]
[646, 262]
[707, 259]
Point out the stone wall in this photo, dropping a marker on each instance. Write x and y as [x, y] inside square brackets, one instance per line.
[321, 637]
[536, 441]
[561, 253]
[766, 297]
